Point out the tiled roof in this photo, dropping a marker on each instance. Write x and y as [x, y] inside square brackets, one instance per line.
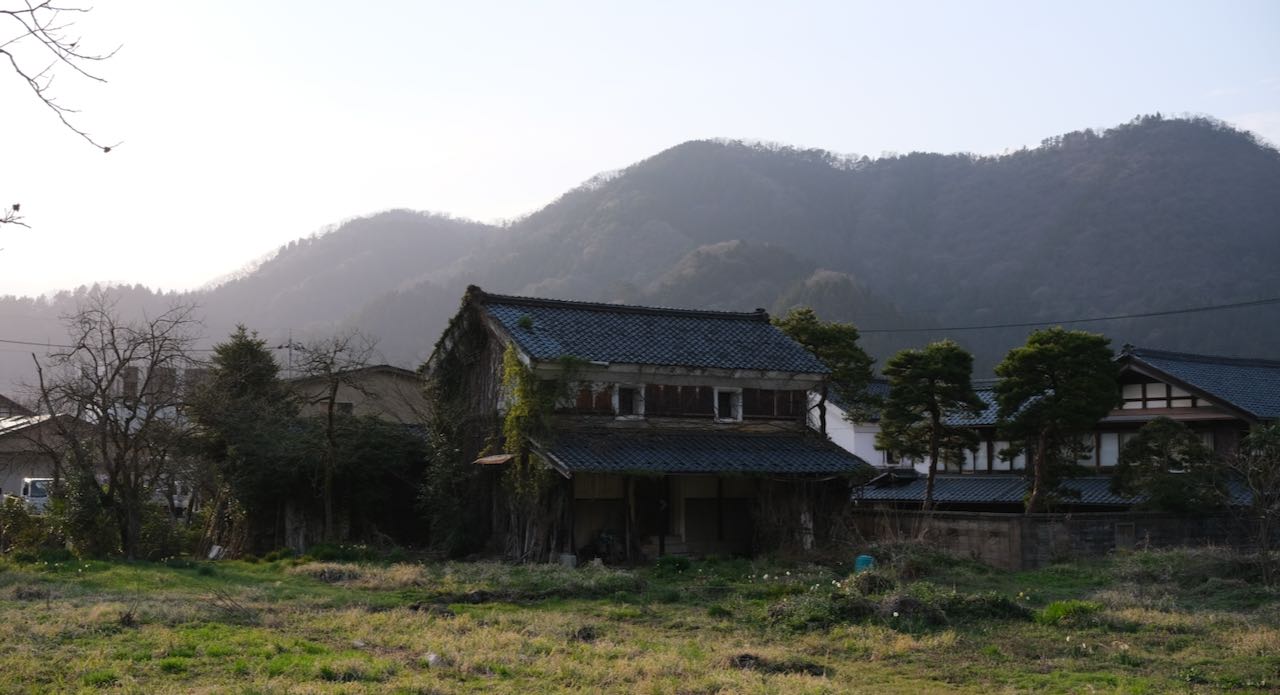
[987, 417]
[18, 423]
[879, 388]
[548, 329]
[1008, 489]
[978, 489]
[1248, 384]
[699, 452]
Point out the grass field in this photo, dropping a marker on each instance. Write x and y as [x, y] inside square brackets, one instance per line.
[1154, 622]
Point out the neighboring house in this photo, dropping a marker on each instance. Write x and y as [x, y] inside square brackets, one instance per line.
[1219, 398]
[28, 446]
[678, 429]
[384, 391]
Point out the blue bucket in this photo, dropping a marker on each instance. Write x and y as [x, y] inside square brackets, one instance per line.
[863, 563]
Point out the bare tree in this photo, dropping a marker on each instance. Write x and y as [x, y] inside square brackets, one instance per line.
[119, 382]
[36, 40]
[1256, 465]
[331, 364]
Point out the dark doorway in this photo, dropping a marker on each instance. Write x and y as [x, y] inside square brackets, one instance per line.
[652, 509]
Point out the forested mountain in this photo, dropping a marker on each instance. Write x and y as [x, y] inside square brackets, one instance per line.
[1151, 215]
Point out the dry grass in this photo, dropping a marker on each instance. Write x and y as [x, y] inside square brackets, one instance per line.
[368, 628]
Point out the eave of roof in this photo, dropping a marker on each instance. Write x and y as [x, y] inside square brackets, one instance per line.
[373, 368]
[693, 453]
[1250, 387]
[1092, 491]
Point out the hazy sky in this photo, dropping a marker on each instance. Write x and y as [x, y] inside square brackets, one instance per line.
[247, 124]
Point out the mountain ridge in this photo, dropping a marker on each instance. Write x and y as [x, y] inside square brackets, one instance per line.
[1153, 214]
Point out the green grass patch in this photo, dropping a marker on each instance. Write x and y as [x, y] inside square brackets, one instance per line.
[1069, 612]
[1131, 623]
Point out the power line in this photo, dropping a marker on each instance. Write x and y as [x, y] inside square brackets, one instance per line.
[1060, 322]
[72, 347]
[981, 327]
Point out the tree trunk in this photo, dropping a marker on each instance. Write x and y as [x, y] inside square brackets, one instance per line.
[330, 454]
[1264, 547]
[935, 425]
[822, 410]
[129, 518]
[1037, 484]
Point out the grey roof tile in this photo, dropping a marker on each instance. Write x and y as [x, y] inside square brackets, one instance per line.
[699, 452]
[1248, 384]
[548, 329]
[1010, 489]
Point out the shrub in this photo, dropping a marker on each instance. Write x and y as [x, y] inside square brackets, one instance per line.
[279, 554]
[819, 609]
[1069, 612]
[672, 564]
[328, 572]
[22, 531]
[872, 582]
[910, 560]
[905, 609]
[162, 535]
[343, 553]
[77, 514]
[102, 678]
[1186, 567]
[986, 606]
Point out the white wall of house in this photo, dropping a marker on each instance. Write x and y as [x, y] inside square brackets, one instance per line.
[859, 438]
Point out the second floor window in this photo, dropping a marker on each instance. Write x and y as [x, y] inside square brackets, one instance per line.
[728, 404]
[630, 401]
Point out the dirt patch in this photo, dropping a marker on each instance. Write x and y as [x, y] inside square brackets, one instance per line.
[753, 662]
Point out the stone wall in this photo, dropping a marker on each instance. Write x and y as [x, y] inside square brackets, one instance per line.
[1031, 541]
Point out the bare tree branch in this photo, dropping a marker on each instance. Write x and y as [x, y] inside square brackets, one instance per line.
[41, 29]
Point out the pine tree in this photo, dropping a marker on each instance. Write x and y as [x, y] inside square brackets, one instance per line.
[926, 388]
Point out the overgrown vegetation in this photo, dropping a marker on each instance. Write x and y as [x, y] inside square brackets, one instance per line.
[1147, 622]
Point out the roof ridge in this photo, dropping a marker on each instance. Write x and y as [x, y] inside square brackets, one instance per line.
[488, 298]
[1140, 352]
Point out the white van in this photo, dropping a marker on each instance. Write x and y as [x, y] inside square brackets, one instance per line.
[35, 492]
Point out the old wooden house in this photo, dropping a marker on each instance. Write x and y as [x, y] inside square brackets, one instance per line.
[672, 431]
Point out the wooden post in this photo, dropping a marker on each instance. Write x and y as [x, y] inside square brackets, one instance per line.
[991, 451]
[573, 541]
[664, 504]
[719, 508]
[630, 512]
[1097, 450]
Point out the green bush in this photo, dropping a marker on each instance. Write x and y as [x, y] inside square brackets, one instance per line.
[1069, 612]
[164, 536]
[24, 532]
[985, 606]
[813, 610]
[872, 582]
[76, 513]
[673, 564]
[1185, 567]
[909, 560]
[905, 610]
[279, 554]
[342, 553]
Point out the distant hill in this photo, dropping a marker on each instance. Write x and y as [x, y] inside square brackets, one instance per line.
[1154, 214]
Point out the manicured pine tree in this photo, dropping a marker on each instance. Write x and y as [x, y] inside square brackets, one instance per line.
[1052, 390]
[836, 345]
[927, 387]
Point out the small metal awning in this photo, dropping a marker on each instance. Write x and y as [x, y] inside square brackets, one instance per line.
[494, 460]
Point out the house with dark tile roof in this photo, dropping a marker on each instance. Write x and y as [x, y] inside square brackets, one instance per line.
[673, 427]
[1219, 398]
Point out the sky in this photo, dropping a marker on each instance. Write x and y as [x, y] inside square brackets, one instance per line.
[244, 125]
